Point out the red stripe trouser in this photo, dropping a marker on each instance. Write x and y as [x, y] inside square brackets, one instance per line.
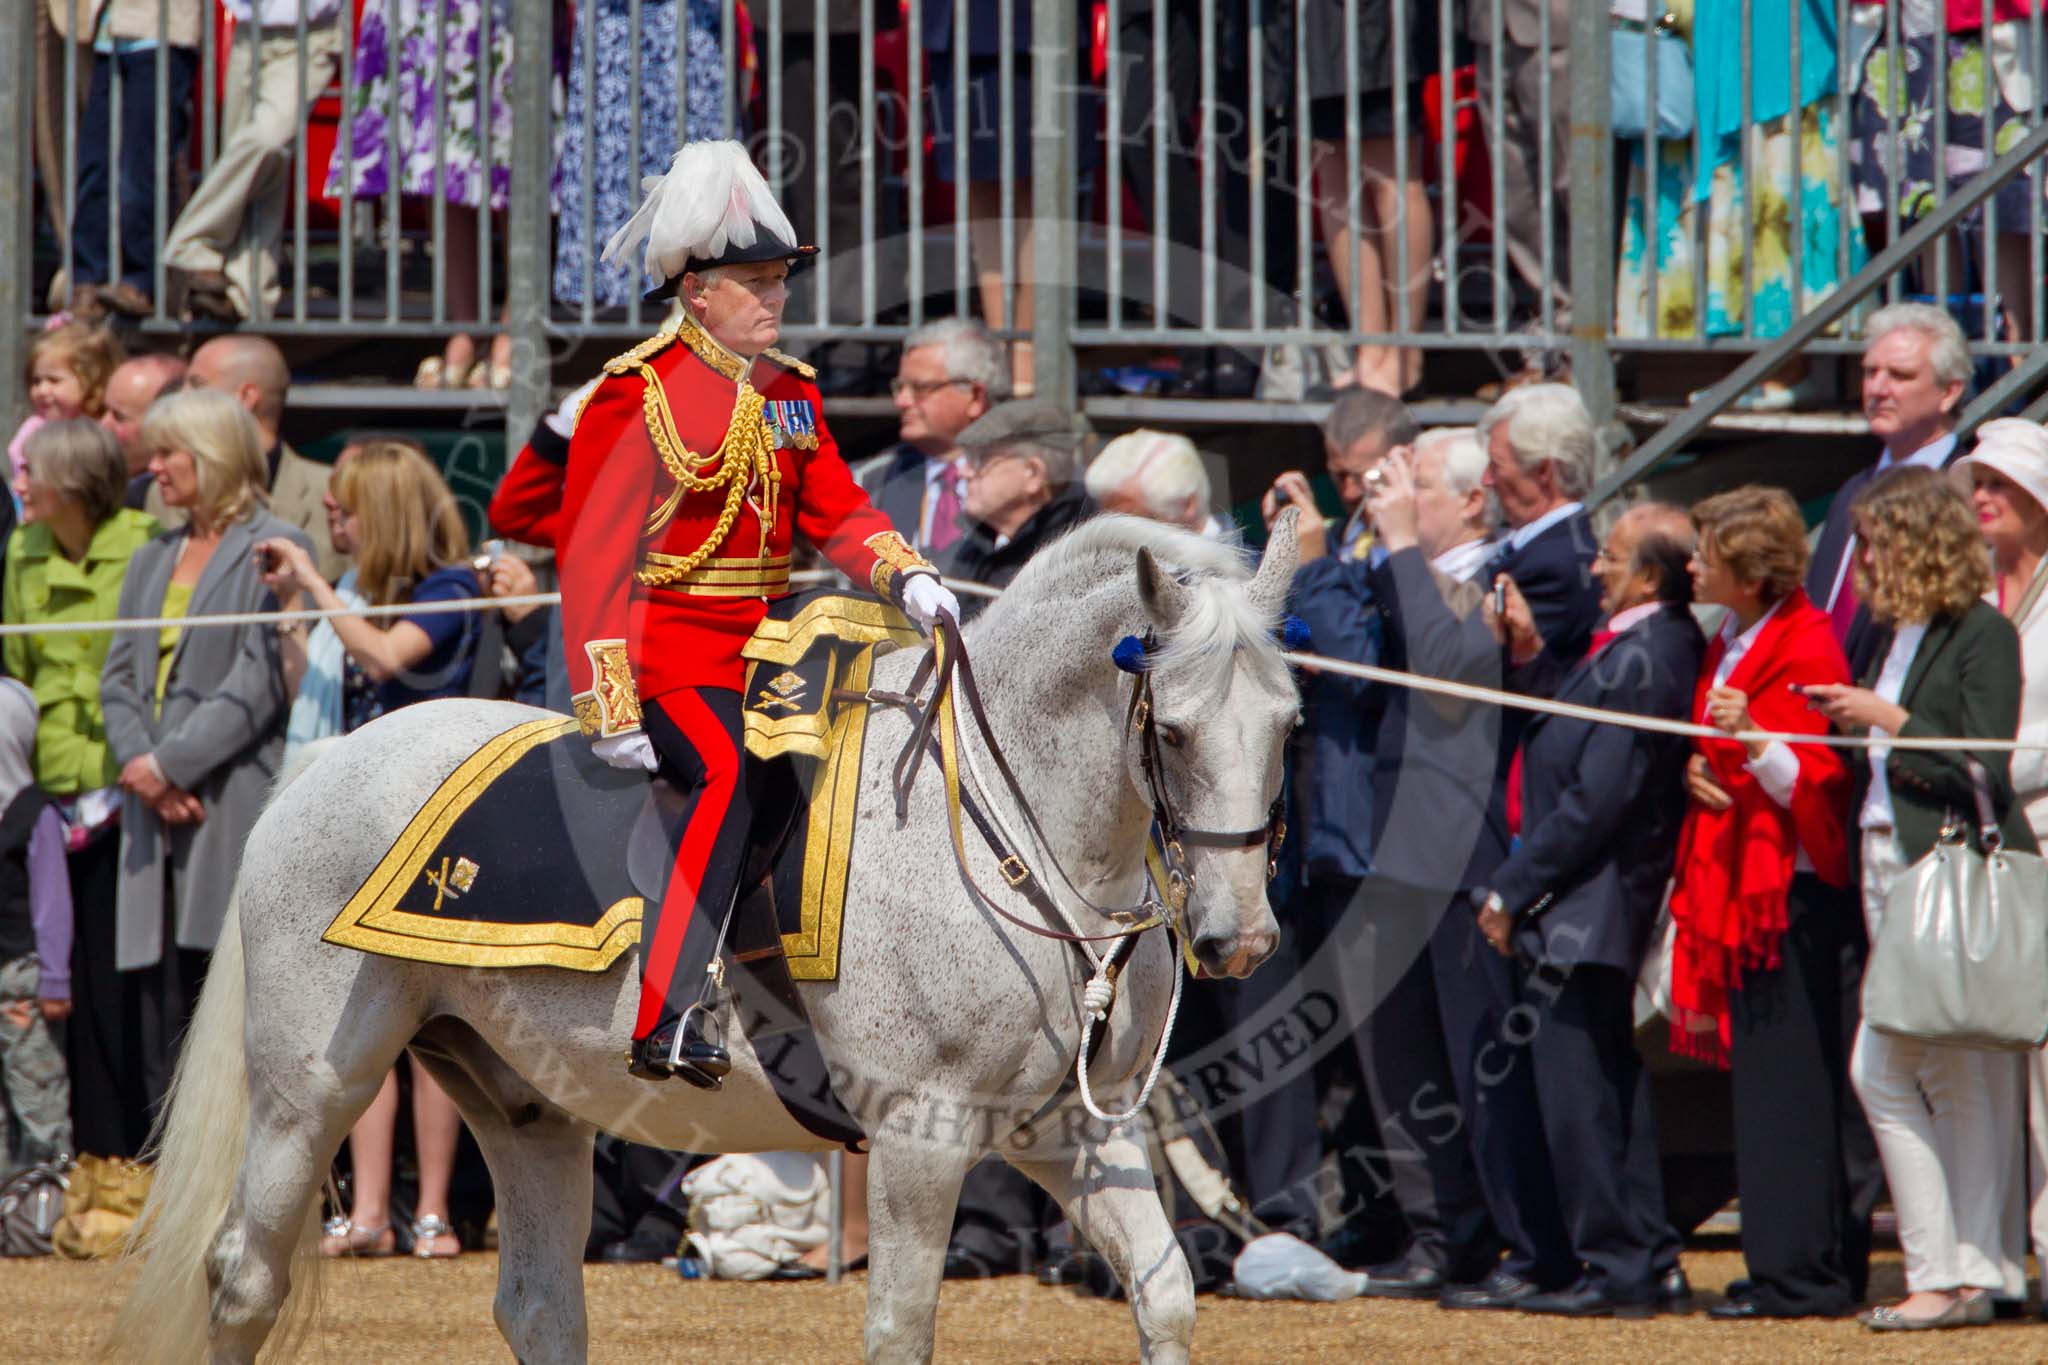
[697, 735]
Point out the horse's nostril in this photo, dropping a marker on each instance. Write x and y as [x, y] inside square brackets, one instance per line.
[1214, 950]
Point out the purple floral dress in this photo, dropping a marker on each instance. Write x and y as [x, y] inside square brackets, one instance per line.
[412, 55]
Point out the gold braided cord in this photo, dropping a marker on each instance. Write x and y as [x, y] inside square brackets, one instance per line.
[744, 459]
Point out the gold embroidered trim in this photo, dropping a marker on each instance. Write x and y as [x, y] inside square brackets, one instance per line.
[632, 360]
[373, 922]
[733, 562]
[705, 349]
[893, 556]
[612, 689]
[789, 362]
[589, 716]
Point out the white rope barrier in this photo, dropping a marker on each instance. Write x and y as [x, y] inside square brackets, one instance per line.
[1488, 696]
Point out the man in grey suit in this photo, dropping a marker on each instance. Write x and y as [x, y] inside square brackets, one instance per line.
[252, 370]
[1525, 52]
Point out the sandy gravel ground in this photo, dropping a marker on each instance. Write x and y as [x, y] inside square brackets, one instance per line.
[54, 1312]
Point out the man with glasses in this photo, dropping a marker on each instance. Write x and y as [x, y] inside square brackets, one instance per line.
[952, 372]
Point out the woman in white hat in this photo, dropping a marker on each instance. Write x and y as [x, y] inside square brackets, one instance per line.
[2006, 480]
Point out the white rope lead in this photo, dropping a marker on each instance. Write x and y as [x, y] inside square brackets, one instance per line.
[1489, 696]
[1158, 1058]
[1629, 720]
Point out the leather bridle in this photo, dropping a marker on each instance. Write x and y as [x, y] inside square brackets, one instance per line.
[948, 669]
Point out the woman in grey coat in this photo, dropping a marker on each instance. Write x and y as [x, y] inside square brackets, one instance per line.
[195, 718]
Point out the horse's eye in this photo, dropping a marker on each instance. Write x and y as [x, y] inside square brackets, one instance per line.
[1171, 737]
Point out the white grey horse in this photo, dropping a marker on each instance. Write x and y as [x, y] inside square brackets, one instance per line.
[959, 1030]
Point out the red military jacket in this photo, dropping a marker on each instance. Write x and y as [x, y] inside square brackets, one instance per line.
[690, 475]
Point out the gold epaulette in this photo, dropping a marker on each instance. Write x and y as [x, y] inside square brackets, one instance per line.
[789, 362]
[641, 354]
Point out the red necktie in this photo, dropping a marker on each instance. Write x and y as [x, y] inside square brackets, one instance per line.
[945, 510]
[1842, 614]
[1601, 639]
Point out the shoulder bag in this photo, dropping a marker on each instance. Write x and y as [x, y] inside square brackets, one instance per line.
[1961, 952]
[1635, 47]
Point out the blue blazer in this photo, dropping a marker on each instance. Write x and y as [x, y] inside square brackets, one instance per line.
[1602, 805]
[1330, 767]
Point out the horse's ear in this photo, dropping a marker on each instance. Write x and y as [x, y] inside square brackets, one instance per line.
[1269, 587]
[1165, 599]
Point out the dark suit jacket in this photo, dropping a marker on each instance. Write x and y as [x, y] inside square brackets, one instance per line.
[1964, 681]
[1826, 564]
[1429, 635]
[1434, 759]
[895, 483]
[1330, 768]
[1602, 805]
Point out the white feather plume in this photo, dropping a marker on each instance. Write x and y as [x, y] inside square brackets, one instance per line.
[711, 198]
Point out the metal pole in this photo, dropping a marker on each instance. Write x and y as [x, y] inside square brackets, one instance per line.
[1811, 324]
[1052, 197]
[17, 189]
[2018, 380]
[1592, 213]
[527, 232]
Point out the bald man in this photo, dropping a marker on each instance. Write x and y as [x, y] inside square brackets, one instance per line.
[133, 387]
[252, 370]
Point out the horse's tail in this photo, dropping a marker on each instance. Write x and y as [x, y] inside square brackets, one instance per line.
[198, 1143]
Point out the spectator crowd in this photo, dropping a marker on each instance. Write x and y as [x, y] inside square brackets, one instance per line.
[1348, 124]
[1488, 892]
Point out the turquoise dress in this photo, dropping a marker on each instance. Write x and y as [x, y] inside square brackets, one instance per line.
[1705, 208]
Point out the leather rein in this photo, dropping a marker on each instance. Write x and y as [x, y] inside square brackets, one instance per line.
[948, 669]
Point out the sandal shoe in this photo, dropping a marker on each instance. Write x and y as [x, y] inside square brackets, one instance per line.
[428, 1230]
[1888, 1318]
[429, 374]
[339, 1237]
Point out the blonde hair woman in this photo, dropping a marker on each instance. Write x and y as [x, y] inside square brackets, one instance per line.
[1945, 1117]
[194, 717]
[389, 506]
[410, 547]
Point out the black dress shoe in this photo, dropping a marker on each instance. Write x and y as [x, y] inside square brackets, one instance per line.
[1066, 1269]
[1674, 1292]
[1499, 1290]
[704, 1065]
[1744, 1309]
[1403, 1280]
[637, 1250]
[963, 1265]
[1740, 1288]
[1586, 1300]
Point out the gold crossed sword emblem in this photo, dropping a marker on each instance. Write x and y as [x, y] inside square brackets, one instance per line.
[451, 883]
[784, 690]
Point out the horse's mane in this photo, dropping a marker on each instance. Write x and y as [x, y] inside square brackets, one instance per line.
[1222, 621]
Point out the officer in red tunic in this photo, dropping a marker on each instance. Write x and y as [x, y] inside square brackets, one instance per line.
[693, 467]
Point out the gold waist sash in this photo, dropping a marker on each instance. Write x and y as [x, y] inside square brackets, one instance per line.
[720, 577]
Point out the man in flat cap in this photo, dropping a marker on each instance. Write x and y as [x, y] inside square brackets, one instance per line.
[692, 467]
[1023, 487]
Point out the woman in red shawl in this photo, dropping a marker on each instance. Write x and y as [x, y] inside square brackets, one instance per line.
[1762, 909]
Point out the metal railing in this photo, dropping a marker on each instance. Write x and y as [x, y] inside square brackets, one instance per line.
[1239, 174]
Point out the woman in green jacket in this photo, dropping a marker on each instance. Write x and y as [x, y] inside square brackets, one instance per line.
[1946, 1118]
[65, 563]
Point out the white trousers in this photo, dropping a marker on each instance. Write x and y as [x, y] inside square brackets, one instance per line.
[1945, 1119]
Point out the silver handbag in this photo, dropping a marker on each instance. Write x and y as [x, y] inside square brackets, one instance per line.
[1961, 954]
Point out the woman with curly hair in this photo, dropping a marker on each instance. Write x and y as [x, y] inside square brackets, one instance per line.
[1951, 666]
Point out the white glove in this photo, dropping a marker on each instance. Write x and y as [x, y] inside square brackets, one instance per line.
[924, 597]
[635, 750]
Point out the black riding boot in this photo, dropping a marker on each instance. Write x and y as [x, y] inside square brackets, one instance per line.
[678, 1048]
